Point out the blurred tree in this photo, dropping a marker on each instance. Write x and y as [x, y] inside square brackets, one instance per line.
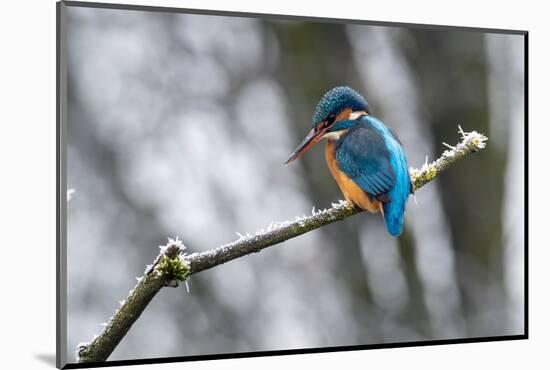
[446, 58]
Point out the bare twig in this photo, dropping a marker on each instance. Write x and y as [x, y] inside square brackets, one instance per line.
[173, 265]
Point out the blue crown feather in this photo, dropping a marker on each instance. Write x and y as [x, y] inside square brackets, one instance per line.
[336, 100]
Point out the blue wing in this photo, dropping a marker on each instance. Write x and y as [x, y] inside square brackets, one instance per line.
[371, 155]
[363, 156]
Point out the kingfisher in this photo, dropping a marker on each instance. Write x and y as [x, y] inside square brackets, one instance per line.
[365, 157]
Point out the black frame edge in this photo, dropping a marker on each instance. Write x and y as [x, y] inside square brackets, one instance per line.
[526, 186]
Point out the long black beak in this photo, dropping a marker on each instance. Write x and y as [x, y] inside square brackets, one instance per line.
[309, 141]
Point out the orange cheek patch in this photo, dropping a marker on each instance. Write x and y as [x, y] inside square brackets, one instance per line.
[343, 115]
[351, 191]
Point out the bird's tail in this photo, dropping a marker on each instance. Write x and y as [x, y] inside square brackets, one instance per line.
[394, 210]
[394, 215]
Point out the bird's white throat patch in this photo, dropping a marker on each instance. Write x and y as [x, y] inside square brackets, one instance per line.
[335, 135]
[357, 114]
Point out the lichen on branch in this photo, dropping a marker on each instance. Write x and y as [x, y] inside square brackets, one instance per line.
[471, 142]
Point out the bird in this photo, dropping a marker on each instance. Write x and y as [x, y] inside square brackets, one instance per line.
[364, 156]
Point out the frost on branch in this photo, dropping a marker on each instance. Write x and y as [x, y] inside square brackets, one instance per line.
[276, 232]
[471, 142]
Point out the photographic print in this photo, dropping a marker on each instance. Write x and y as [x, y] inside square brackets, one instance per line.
[244, 184]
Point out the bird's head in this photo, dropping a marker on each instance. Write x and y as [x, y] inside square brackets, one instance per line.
[335, 113]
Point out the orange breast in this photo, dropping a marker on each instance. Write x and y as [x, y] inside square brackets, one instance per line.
[352, 192]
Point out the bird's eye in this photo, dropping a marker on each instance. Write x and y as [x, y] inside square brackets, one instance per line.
[331, 118]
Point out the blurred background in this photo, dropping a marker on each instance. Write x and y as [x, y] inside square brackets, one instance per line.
[179, 125]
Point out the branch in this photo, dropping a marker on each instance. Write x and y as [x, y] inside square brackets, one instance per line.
[173, 265]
